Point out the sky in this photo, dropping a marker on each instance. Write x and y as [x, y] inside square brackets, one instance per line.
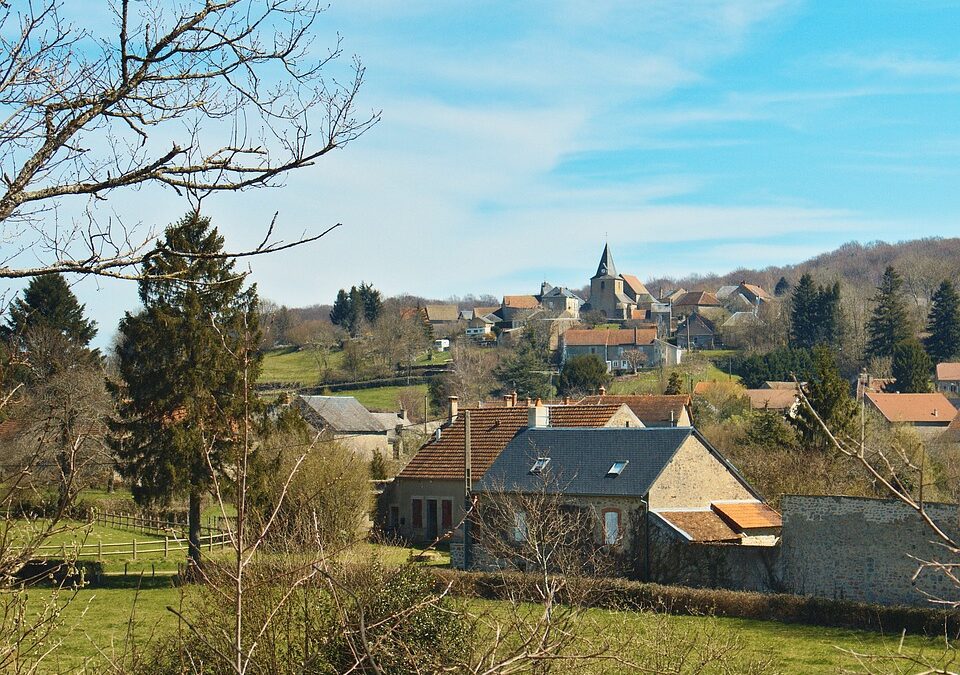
[516, 138]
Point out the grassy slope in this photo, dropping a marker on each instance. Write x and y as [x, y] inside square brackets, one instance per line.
[696, 367]
[383, 399]
[289, 365]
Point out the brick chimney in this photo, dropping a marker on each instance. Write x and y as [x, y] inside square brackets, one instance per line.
[453, 406]
[538, 416]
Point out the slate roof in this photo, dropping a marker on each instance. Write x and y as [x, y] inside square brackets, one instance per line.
[442, 313]
[742, 319]
[491, 428]
[773, 384]
[697, 318]
[948, 371]
[701, 526]
[390, 420]
[581, 458]
[650, 408]
[725, 292]
[617, 336]
[560, 291]
[914, 408]
[697, 299]
[606, 268]
[342, 414]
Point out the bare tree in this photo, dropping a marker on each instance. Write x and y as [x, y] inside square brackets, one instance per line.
[199, 97]
[636, 358]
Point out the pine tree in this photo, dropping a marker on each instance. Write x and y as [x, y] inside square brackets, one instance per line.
[911, 367]
[371, 301]
[782, 287]
[674, 384]
[803, 312]
[943, 343]
[829, 395]
[827, 317]
[48, 302]
[342, 313]
[889, 323]
[181, 395]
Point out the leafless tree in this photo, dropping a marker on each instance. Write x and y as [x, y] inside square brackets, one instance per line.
[199, 97]
[636, 358]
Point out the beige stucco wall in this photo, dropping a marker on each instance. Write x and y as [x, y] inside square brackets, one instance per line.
[402, 492]
[694, 478]
[366, 445]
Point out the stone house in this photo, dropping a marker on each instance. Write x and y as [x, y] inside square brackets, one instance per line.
[479, 327]
[612, 346]
[696, 301]
[782, 400]
[426, 499]
[345, 420]
[948, 379]
[697, 332]
[443, 319]
[625, 481]
[560, 300]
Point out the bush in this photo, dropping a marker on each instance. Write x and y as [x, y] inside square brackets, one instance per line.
[622, 594]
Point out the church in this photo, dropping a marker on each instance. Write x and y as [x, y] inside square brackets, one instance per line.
[618, 297]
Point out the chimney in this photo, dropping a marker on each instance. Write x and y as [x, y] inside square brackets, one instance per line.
[538, 416]
[603, 390]
[529, 401]
[508, 401]
[566, 400]
[514, 396]
[453, 406]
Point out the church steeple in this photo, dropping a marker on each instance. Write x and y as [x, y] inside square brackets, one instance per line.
[606, 267]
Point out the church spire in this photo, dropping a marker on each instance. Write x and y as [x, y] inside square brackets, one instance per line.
[606, 267]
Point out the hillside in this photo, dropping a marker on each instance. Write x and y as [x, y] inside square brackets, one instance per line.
[922, 263]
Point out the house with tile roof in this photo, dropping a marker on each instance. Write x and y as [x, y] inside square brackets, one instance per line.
[624, 482]
[696, 301]
[426, 499]
[948, 379]
[654, 410]
[929, 413]
[697, 332]
[612, 346]
[443, 319]
[784, 401]
[344, 419]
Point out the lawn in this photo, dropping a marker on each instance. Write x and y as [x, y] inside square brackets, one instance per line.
[290, 365]
[384, 399]
[696, 367]
[97, 620]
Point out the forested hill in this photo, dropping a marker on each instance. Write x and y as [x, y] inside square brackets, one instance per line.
[922, 263]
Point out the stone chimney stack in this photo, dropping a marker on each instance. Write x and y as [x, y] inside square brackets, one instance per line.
[453, 407]
[514, 397]
[538, 416]
[508, 401]
[603, 390]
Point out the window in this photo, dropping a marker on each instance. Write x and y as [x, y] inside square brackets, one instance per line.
[602, 285]
[416, 506]
[519, 526]
[446, 514]
[394, 516]
[617, 467]
[540, 465]
[611, 527]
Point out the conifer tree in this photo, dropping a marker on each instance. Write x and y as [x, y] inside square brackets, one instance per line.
[342, 313]
[181, 395]
[889, 323]
[782, 287]
[911, 367]
[582, 374]
[829, 395]
[674, 384]
[803, 313]
[943, 323]
[48, 302]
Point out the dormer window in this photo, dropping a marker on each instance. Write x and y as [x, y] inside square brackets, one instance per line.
[540, 465]
[617, 468]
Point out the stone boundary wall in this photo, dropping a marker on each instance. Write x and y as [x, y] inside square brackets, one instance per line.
[865, 550]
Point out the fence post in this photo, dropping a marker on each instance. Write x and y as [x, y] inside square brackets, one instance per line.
[166, 549]
[100, 549]
[134, 548]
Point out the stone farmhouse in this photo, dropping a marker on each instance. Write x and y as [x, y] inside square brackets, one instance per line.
[345, 420]
[697, 332]
[948, 379]
[930, 414]
[654, 410]
[614, 346]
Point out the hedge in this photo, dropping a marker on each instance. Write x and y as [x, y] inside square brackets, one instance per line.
[622, 594]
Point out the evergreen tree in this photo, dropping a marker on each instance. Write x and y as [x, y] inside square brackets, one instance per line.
[782, 287]
[181, 397]
[803, 330]
[372, 302]
[674, 384]
[911, 367]
[527, 370]
[829, 395]
[48, 302]
[828, 320]
[583, 374]
[342, 313]
[889, 324]
[943, 343]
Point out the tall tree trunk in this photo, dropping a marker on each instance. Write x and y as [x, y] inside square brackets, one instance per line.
[193, 538]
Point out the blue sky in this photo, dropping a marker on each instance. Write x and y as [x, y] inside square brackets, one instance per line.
[694, 136]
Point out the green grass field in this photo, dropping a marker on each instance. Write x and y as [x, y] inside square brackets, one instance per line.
[384, 399]
[97, 622]
[696, 367]
[289, 365]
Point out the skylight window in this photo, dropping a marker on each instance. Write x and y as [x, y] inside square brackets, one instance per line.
[617, 468]
[540, 465]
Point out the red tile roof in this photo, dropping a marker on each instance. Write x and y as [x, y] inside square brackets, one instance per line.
[490, 431]
[697, 299]
[520, 301]
[650, 408]
[700, 526]
[747, 515]
[635, 285]
[771, 399]
[915, 408]
[948, 371]
[614, 337]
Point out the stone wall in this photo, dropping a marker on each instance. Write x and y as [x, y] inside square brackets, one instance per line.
[852, 548]
[695, 478]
